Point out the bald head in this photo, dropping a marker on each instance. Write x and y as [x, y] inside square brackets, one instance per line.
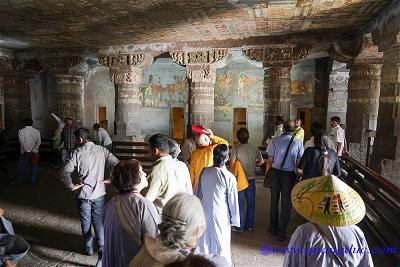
[289, 126]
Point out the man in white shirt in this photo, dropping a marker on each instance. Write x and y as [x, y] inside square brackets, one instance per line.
[337, 135]
[102, 137]
[29, 139]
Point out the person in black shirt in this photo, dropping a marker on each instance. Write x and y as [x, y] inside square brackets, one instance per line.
[319, 160]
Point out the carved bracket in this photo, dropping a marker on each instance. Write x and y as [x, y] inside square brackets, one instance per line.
[300, 52]
[198, 57]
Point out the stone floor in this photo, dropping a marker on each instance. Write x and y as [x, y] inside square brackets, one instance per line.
[45, 215]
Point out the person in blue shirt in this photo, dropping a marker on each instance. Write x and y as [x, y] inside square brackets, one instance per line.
[284, 152]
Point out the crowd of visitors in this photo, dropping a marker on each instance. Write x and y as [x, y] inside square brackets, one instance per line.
[183, 212]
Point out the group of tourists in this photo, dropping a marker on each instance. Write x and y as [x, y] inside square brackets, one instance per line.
[183, 212]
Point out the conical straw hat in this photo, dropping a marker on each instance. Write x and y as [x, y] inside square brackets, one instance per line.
[328, 200]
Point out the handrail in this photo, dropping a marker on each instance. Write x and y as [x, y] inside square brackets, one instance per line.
[393, 189]
[382, 202]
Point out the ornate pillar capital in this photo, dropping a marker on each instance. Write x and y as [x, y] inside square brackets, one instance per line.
[60, 64]
[200, 73]
[6, 64]
[125, 68]
[369, 53]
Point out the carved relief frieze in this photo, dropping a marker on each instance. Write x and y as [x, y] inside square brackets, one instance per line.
[278, 55]
[271, 55]
[121, 60]
[198, 57]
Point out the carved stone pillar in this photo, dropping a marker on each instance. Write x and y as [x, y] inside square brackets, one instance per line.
[16, 95]
[70, 97]
[323, 68]
[363, 98]
[201, 94]
[277, 62]
[337, 98]
[127, 77]
[69, 88]
[201, 78]
[17, 102]
[386, 154]
[276, 96]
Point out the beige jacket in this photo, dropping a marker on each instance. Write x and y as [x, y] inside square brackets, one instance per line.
[166, 179]
[154, 254]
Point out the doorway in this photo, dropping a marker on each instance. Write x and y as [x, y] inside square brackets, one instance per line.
[103, 117]
[239, 121]
[305, 115]
[178, 124]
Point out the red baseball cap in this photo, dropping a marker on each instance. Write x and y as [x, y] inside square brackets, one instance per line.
[199, 129]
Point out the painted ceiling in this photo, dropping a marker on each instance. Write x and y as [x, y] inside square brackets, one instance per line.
[97, 23]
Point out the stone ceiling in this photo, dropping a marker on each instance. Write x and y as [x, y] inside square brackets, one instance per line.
[97, 23]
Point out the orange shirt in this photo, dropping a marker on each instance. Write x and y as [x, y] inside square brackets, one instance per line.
[203, 157]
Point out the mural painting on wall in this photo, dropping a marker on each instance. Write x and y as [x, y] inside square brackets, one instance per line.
[155, 95]
[244, 88]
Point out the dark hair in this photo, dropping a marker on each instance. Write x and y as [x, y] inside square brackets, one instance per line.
[220, 155]
[336, 118]
[243, 135]
[28, 122]
[126, 175]
[318, 136]
[192, 261]
[288, 126]
[82, 133]
[68, 118]
[279, 120]
[96, 126]
[174, 148]
[316, 126]
[159, 141]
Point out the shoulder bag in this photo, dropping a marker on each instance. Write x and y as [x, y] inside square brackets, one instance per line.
[273, 173]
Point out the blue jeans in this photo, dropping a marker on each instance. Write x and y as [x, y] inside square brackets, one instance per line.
[13, 248]
[250, 194]
[91, 212]
[26, 171]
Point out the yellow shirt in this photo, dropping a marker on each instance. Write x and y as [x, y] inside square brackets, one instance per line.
[299, 134]
[203, 157]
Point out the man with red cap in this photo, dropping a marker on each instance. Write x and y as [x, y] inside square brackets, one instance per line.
[202, 156]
